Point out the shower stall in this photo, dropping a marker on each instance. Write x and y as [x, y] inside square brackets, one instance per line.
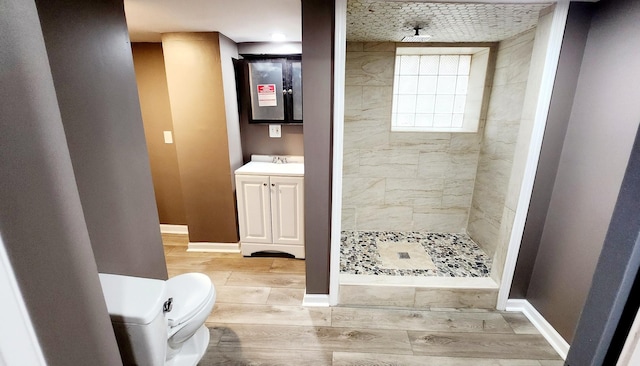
[436, 204]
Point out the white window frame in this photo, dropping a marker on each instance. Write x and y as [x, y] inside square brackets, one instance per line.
[475, 86]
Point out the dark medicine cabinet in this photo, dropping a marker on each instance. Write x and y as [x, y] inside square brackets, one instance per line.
[270, 89]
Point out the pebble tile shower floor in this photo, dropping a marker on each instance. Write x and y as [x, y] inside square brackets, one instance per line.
[454, 255]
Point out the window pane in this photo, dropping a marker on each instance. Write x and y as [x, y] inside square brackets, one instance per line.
[408, 85]
[406, 104]
[448, 65]
[457, 120]
[442, 120]
[425, 104]
[458, 104]
[425, 120]
[427, 84]
[461, 85]
[444, 104]
[405, 120]
[446, 85]
[465, 65]
[429, 65]
[396, 68]
[409, 65]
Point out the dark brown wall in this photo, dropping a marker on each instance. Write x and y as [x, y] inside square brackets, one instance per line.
[90, 58]
[156, 116]
[600, 134]
[573, 44]
[317, 73]
[194, 78]
[256, 140]
[41, 221]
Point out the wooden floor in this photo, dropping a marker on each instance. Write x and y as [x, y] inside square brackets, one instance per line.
[258, 320]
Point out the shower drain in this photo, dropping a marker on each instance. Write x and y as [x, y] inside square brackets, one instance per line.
[403, 255]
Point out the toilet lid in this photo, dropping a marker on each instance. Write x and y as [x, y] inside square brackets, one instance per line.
[190, 292]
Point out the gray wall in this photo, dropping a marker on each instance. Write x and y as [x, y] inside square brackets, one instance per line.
[601, 129]
[317, 73]
[41, 220]
[573, 44]
[91, 63]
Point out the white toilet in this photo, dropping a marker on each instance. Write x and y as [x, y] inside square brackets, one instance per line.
[160, 322]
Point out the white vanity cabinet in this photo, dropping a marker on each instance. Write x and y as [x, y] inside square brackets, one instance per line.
[271, 207]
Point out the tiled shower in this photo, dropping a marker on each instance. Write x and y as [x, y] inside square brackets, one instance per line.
[423, 203]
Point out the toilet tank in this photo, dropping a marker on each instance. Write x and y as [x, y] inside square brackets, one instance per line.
[135, 307]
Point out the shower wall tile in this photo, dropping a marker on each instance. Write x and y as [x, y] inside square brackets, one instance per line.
[441, 221]
[504, 235]
[457, 193]
[423, 142]
[465, 143]
[379, 46]
[389, 163]
[358, 190]
[355, 46]
[501, 135]
[391, 176]
[358, 135]
[353, 97]
[369, 68]
[414, 192]
[433, 165]
[350, 162]
[384, 217]
[348, 218]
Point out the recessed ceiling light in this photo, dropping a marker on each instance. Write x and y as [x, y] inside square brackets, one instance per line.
[278, 37]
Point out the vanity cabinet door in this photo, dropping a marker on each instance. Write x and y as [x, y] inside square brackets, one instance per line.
[287, 209]
[254, 213]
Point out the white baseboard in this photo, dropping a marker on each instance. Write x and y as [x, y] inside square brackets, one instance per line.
[174, 229]
[548, 332]
[315, 300]
[214, 247]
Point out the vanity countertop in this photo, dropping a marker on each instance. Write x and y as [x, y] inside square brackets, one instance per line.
[261, 165]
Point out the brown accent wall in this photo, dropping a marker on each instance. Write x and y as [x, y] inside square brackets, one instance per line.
[194, 78]
[90, 58]
[41, 221]
[148, 62]
[317, 73]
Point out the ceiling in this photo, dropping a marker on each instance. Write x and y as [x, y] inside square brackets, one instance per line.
[240, 20]
[379, 20]
[367, 20]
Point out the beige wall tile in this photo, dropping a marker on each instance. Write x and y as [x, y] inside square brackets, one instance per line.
[444, 220]
[353, 97]
[384, 218]
[380, 46]
[369, 68]
[414, 192]
[350, 162]
[355, 46]
[376, 295]
[362, 191]
[457, 193]
[348, 221]
[459, 299]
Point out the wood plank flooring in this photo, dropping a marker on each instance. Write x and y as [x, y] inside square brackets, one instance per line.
[258, 320]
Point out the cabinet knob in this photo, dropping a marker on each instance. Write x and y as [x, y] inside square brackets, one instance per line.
[273, 184]
[290, 91]
[264, 184]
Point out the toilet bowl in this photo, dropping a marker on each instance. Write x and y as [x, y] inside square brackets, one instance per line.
[159, 322]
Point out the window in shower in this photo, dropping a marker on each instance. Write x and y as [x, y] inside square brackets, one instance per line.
[438, 89]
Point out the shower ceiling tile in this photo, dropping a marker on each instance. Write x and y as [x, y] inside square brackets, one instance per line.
[383, 21]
